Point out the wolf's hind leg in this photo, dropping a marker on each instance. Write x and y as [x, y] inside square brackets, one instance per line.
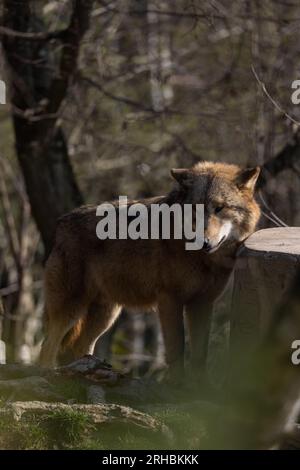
[58, 325]
[99, 319]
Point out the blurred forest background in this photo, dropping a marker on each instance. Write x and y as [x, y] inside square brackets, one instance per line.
[103, 98]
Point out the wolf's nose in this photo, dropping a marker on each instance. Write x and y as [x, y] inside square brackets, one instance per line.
[206, 244]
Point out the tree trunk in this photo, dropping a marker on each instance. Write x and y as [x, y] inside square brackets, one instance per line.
[50, 182]
[37, 89]
[263, 385]
[264, 273]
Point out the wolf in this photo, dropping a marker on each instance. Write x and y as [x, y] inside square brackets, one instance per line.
[88, 281]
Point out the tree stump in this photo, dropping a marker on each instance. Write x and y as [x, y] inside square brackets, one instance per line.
[265, 269]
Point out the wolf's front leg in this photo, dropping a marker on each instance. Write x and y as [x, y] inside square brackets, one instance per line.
[198, 315]
[171, 319]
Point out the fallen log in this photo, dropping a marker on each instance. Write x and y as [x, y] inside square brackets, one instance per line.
[87, 379]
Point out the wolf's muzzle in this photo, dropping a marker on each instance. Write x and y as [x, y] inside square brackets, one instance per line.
[207, 246]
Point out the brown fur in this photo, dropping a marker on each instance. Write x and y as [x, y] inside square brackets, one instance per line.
[87, 280]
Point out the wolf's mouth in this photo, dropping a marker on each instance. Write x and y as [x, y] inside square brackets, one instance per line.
[214, 248]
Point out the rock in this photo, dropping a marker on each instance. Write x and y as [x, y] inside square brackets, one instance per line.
[29, 388]
[98, 414]
[95, 394]
[17, 371]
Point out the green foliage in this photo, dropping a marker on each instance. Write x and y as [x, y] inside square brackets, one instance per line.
[71, 389]
[58, 429]
[186, 426]
[66, 428]
[14, 435]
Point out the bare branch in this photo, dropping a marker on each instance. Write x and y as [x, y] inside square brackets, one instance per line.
[8, 219]
[40, 35]
[273, 101]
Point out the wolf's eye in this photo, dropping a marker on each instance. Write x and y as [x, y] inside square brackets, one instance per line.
[218, 209]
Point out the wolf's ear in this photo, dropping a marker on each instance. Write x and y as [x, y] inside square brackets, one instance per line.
[182, 176]
[247, 178]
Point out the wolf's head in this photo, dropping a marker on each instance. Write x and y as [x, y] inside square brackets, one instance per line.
[227, 192]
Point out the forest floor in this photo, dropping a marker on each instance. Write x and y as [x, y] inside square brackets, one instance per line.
[88, 405]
